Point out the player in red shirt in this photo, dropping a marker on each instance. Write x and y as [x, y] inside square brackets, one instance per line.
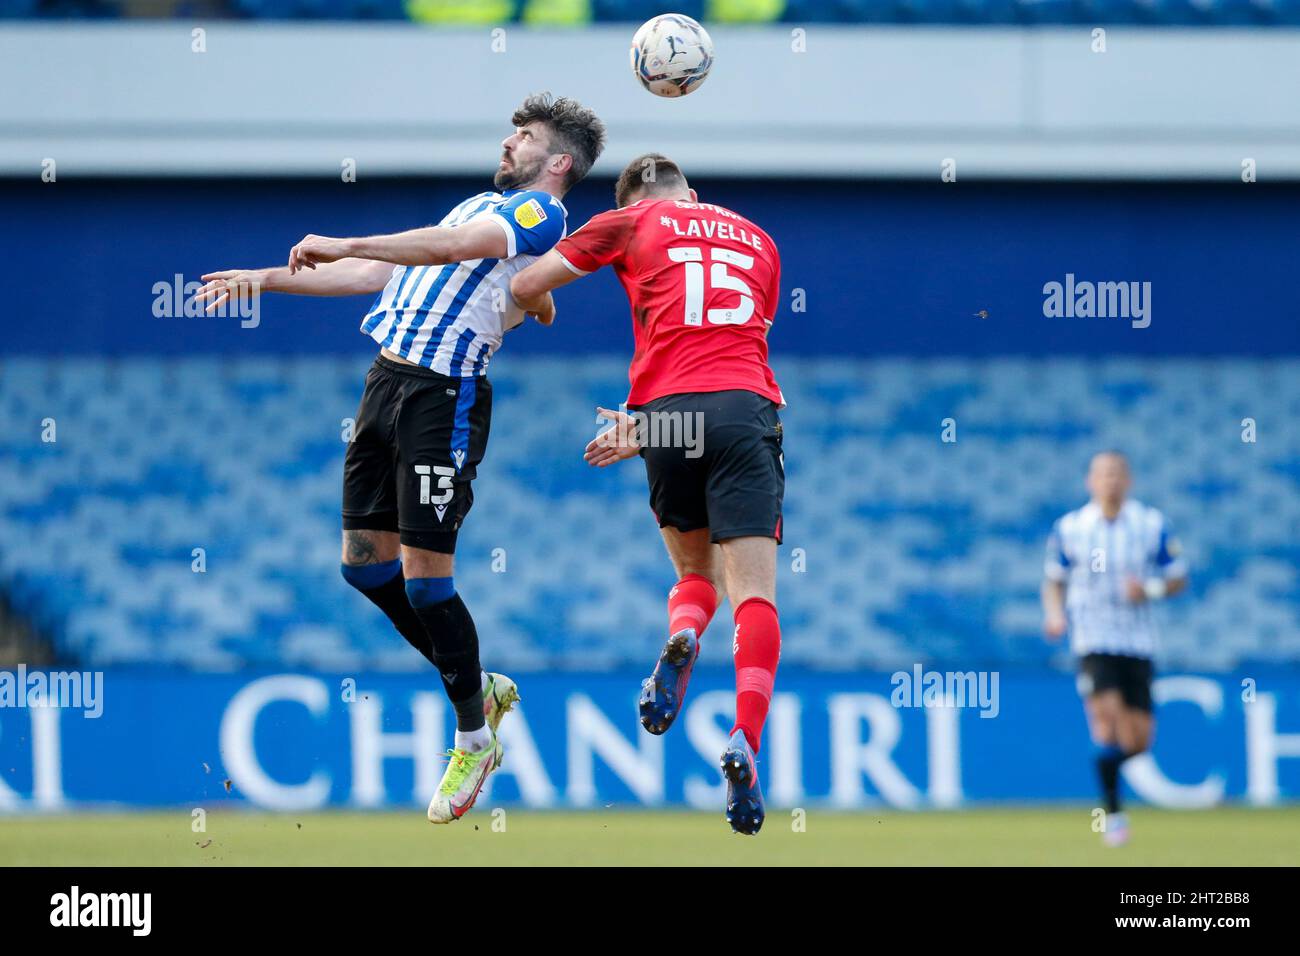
[703, 283]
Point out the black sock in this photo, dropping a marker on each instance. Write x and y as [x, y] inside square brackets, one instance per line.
[455, 653]
[1109, 760]
[390, 597]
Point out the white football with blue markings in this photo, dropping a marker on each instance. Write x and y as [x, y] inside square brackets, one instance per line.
[671, 55]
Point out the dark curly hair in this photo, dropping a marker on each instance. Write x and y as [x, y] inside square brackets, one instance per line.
[574, 130]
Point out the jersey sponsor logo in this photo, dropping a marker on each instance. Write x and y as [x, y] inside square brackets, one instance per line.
[458, 456]
[529, 214]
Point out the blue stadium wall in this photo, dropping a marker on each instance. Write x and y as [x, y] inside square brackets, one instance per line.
[920, 269]
[288, 741]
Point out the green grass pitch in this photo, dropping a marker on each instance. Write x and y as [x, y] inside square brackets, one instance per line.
[1230, 836]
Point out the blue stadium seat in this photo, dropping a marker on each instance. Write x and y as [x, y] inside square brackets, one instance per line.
[911, 549]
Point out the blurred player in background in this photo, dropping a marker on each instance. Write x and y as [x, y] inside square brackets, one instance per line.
[1107, 563]
[703, 283]
[422, 427]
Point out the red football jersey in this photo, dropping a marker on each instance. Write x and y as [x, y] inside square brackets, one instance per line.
[703, 283]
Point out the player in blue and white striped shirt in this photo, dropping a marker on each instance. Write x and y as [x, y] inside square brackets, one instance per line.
[451, 317]
[1107, 563]
[444, 304]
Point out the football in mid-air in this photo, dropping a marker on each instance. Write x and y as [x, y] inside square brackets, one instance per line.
[671, 55]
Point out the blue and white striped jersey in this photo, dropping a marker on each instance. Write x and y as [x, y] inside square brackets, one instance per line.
[1095, 557]
[451, 318]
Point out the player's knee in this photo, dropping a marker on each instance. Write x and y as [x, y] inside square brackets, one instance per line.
[692, 553]
[1103, 737]
[1136, 739]
[744, 583]
[749, 564]
[1102, 728]
[422, 563]
[739, 595]
[367, 577]
[705, 571]
[369, 547]
[1132, 746]
[427, 592]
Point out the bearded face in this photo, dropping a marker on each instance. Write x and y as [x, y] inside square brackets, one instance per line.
[522, 158]
[515, 174]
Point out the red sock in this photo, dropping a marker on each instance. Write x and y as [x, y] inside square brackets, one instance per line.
[757, 650]
[691, 603]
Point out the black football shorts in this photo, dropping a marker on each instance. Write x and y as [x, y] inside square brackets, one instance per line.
[714, 460]
[415, 449]
[1131, 676]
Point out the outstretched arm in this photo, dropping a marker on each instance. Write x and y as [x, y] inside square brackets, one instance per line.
[344, 277]
[430, 246]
